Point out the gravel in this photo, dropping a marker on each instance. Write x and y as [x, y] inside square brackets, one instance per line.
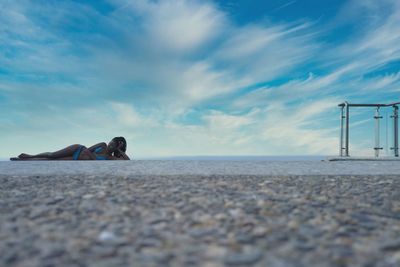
[125, 216]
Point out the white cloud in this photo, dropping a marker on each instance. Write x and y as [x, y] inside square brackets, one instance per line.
[374, 44]
[182, 26]
[249, 41]
[261, 53]
[290, 127]
[387, 83]
[222, 121]
[129, 117]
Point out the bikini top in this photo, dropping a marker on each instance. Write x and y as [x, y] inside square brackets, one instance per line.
[98, 150]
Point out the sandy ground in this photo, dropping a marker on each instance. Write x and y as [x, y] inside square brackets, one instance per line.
[199, 213]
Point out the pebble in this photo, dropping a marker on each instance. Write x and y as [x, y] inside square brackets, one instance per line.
[248, 257]
[150, 242]
[293, 225]
[214, 251]
[259, 231]
[305, 246]
[391, 245]
[88, 196]
[106, 236]
[244, 238]
[55, 200]
[235, 213]
[201, 232]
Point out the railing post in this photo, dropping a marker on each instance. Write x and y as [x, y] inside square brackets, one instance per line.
[377, 132]
[341, 131]
[395, 130]
[347, 128]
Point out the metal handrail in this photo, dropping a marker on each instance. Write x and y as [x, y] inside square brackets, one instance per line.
[369, 105]
[345, 118]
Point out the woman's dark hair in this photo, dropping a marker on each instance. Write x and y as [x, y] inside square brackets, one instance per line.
[123, 148]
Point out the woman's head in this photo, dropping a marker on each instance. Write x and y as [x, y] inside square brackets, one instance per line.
[115, 143]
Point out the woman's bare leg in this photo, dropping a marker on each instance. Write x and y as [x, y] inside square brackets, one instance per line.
[36, 159]
[63, 153]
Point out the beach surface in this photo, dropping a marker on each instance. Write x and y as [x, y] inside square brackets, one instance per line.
[199, 213]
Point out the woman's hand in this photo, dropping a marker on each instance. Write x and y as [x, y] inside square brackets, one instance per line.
[122, 154]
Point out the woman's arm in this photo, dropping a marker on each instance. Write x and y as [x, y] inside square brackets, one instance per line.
[102, 144]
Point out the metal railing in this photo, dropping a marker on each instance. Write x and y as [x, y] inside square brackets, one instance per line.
[345, 127]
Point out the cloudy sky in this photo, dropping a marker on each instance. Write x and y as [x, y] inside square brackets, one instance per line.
[176, 77]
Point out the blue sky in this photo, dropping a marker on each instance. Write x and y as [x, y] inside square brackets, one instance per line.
[182, 77]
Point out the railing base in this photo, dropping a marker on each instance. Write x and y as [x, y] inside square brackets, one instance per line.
[363, 159]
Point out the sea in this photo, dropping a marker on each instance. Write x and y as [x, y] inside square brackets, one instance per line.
[241, 158]
[231, 158]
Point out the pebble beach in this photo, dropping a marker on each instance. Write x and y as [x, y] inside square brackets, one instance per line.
[200, 213]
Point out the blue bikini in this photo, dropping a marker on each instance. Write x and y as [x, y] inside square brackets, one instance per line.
[98, 150]
[77, 152]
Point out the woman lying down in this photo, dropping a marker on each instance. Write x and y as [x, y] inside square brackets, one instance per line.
[115, 150]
